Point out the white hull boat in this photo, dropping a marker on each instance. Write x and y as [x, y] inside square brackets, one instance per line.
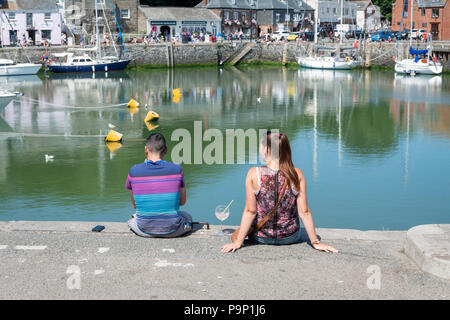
[329, 63]
[6, 97]
[9, 68]
[421, 66]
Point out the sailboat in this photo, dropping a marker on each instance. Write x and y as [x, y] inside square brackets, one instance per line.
[9, 68]
[6, 97]
[83, 62]
[330, 62]
[415, 64]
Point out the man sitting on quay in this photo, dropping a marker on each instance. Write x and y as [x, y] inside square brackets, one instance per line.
[157, 191]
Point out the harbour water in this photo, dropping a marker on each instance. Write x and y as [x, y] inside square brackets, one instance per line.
[374, 147]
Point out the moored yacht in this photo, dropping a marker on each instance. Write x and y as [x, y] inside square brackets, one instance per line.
[10, 68]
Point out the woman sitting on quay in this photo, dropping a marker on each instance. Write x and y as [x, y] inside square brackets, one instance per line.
[266, 220]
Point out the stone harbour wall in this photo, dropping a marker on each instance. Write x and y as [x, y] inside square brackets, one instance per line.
[373, 54]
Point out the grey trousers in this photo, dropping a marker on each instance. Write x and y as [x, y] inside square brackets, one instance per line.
[184, 228]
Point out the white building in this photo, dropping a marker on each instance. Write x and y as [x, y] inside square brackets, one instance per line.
[174, 21]
[368, 16]
[30, 21]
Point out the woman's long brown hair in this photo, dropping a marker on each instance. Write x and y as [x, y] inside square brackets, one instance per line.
[285, 157]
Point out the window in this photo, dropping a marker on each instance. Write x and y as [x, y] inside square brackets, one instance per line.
[328, 10]
[435, 13]
[125, 13]
[287, 18]
[334, 10]
[423, 12]
[346, 11]
[12, 15]
[235, 15]
[100, 1]
[277, 17]
[424, 25]
[226, 15]
[46, 34]
[48, 16]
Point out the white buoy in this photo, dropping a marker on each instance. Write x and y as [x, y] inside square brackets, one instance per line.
[258, 99]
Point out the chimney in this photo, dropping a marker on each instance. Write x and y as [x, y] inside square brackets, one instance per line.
[204, 3]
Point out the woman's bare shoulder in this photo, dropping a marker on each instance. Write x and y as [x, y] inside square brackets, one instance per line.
[300, 173]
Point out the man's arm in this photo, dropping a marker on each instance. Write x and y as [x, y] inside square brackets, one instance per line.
[132, 199]
[182, 196]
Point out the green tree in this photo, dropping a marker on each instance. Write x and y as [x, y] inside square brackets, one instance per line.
[385, 7]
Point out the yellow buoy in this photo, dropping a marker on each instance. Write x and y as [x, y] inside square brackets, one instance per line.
[133, 103]
[176, 92]
[133, 110]
[176, 99]
[151, 126]
[113, 146]
[151, 115]
[113, 136]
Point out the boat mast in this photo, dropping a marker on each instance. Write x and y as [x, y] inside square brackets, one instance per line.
[411, 26]
[97, 39]
[342, 21]
[316, 20]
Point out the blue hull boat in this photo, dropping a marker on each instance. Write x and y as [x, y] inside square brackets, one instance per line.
[94, 67]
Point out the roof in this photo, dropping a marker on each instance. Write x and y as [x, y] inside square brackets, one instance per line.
[36, 5]
[431, 3]
[178, 13]
[227, 4]
[361, 5]
[256, 4]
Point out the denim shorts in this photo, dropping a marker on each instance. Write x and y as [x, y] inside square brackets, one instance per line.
[295, 238]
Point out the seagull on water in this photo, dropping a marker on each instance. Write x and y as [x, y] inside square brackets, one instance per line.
[48, 158]
[111, 126]
[258, 99]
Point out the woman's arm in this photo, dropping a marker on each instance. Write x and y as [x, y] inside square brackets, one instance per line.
[306, 217]
[249, 212]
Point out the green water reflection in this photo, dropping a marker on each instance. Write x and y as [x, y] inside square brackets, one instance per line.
[374, 147]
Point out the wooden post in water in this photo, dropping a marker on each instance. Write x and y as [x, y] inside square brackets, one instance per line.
[285, 54]
[368, 54]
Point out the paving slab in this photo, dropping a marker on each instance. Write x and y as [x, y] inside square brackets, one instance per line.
[429, 247]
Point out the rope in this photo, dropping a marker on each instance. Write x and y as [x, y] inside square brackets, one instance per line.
[72, 107]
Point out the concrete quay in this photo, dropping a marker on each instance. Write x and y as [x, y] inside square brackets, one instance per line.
[65, 260]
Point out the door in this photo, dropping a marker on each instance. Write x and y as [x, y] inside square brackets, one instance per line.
[435, 31]
[12, 37]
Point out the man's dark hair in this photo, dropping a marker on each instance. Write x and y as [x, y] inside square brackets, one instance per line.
[156, 143]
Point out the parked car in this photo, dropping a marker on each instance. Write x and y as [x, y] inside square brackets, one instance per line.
[280, 35]
[308, 35]
[293, 36]
[382, 35]
[417, 33]
[403, 35]
[358, 34]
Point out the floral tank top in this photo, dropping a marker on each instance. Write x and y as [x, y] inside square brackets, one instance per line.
[285, 221]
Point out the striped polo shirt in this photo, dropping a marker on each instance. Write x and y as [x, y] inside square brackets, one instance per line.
[156, 191]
